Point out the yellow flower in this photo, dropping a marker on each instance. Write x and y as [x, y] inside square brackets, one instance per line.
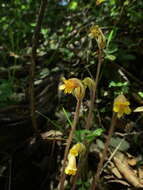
[98, 2]
[96, 32]
[76, 149]
[74, 86]
[121, 106]
[79, 92]
[88, 82]
[71, 167]
[69, 85]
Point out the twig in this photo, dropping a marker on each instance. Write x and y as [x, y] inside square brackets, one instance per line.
[89, 117]
[112, 155]
[35, 41]
[100, 165]
[69, 140]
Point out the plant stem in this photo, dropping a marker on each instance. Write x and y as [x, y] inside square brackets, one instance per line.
[89, 117]
[104, 153]
[69, 140]
[35, 40]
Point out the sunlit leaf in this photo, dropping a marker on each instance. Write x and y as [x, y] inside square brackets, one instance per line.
[139, 109]
[73, 5]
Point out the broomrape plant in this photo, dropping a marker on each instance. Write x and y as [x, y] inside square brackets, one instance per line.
[121, 106]
[73, 153]
[96, 33]
[77, 88]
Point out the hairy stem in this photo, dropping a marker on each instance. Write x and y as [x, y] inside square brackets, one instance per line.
[69, 140]
[89, 117]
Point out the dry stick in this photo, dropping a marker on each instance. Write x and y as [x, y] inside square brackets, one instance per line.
[35, 40]
[104, 153]
[76, 117]
[89, 118]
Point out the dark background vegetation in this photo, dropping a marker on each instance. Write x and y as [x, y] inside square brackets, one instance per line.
[64, 49]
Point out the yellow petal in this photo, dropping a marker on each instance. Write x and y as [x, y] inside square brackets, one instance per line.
[71, 167]
[116, 108]
[127, 110]
[120, 114]
[74, 151]
[77, 148]
[62, 87]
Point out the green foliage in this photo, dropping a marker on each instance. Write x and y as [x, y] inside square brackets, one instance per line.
[89, 135]
[140, 94]
[119, 87]
[83, 185]
[73, 5]
[6, 90]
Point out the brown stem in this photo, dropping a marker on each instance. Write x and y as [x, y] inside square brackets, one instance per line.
[75, 178]
[35, 40]
[89, 117]
[104, 153]
[69, 140]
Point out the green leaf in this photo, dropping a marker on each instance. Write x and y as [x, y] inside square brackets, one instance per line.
[110, 57]
[112, 34]
[140, 94]
[66, 115]
[73, 5]
[117, 84]
[93, 134]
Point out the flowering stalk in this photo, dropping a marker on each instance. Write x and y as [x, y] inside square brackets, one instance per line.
[96, 33]
[89, 117]
[120, 107]
[76, 117]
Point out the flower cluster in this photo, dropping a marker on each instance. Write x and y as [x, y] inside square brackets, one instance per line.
[77, 87]
[121, 106]
[73, 153]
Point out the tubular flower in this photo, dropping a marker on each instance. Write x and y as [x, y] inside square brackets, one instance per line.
[69, 85]
[74, 86]
[96, 32]
[121, 106]
[88, 82]
[71, 167]
[79, 92]
[76, 149]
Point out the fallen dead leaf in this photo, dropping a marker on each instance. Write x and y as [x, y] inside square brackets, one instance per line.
[121, 163]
